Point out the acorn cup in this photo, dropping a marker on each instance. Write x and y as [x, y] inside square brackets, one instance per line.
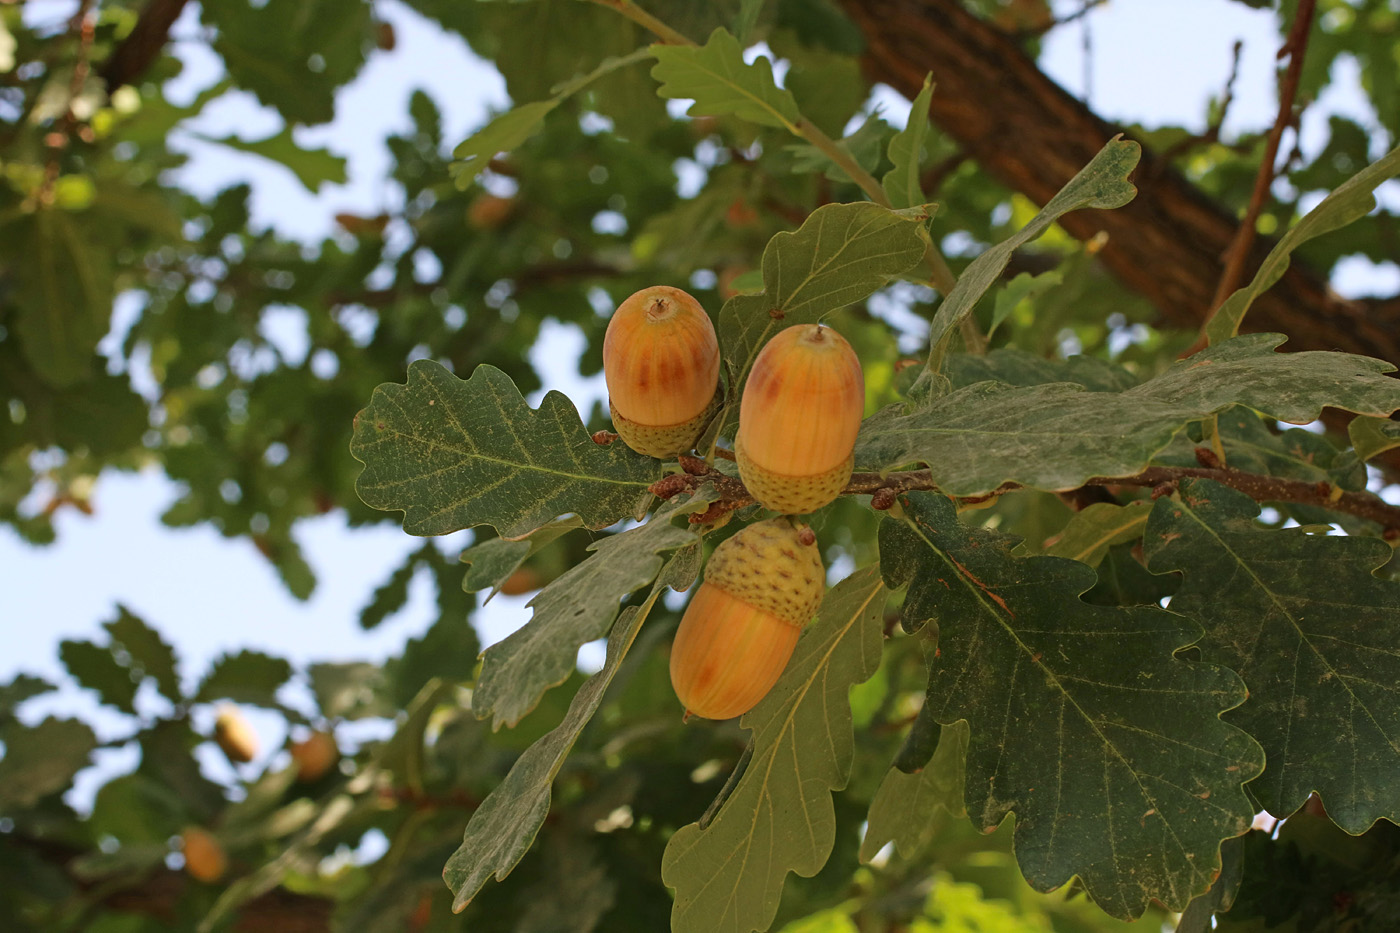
[802, 409]
[762, 586]
[661, 363]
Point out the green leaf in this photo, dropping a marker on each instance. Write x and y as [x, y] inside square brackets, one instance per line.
[906, 807]
[350, 690]
[62, 294]
[41, 760]
[453, 453]
[1312, 631]
[1016, 367]
[512, 128]
[902, 182]
[150, 655]
[96, 669]
[728, 877]
[1101, 184]
[841, 254]
[574, 895]
[577, 607]
[1351, 201]
[312, 167]
[22, 687]
[1108, 748]
[1024, 287]
[491, 563]
[392, 595]
[501, 830]
[864, 146]
[1373, 436]
[1093, 530]
[246, 677]
[716, 77]
[1057, 436]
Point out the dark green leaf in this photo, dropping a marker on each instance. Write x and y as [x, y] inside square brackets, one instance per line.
[491, 563]
[22, 687]
[574, 609]
[1108, 748]
[1312, 631]
[150, 655]
[96, 669]
[41, 760]
[63, 296]
[719, 82]
[453, 453]
[351, 690]
[1016, 367]
[246, 677]
[729, 877]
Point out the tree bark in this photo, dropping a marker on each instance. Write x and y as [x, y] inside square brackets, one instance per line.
[1033, 136]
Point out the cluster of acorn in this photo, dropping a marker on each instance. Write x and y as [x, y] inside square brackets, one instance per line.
[801, 410]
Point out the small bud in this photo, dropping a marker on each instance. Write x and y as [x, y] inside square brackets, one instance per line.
[762, 586]
[661, 363]
[802, 408]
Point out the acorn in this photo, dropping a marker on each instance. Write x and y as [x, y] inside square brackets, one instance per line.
[762, 586]
[802, 408]
[204, 857]
[314, 756]
[661, 363]
[234, 735]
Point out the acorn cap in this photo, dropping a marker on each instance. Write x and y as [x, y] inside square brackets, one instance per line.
[774, 566]
[660, 358]
[802, 407]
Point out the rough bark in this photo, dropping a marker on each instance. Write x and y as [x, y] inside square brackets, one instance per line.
[1033, 136]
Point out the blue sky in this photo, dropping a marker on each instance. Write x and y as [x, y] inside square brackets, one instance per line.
[1149, 62]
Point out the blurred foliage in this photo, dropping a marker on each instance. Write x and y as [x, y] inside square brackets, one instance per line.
[144, 327]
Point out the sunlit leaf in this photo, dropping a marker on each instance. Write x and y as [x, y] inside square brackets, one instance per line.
[719, 81]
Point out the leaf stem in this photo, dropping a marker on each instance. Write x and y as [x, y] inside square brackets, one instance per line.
[641, 17]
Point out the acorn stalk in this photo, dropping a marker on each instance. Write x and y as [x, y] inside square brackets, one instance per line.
[802, 408]
[661, 364]
[762, 586]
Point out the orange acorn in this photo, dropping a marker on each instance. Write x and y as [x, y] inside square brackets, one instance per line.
[234, 735]
[802, 409]
[204, 857]
[762, 586]
[661, 363]
[314, 756]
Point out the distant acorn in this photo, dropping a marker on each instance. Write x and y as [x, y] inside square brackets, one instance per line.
[235, 735]
[762, 586]
[802, 408]
[204, 856]
[661, 363]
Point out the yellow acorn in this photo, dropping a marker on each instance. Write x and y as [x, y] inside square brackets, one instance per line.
[762, 586]
[802, 408]
[204, 857]
[234, 735]
[314, 756]
[661, 363]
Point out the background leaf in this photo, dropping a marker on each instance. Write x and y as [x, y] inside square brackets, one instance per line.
[728, 877]
[453, 453]
[246, 677]
[1109, 749]
[63, 293]
[41, 760]
[312, 167]
[906, 807]
[1312, 631]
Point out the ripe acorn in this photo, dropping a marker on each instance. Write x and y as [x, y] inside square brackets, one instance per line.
[661, 363]
[314, 756]
[762, 586]
[802, 408]
[204, 857]
[234, 735]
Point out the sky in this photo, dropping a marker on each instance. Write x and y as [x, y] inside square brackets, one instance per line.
[208, 595]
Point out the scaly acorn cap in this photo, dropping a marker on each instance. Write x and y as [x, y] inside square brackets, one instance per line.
[661, 364]
[802, 408]
[738, 633]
